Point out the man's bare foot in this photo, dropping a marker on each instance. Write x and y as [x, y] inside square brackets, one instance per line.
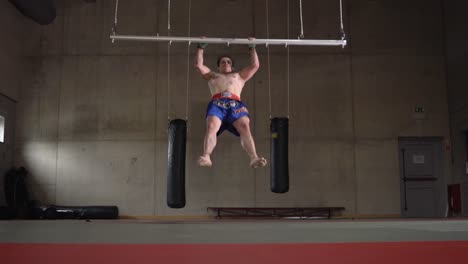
[258, 162]
[204, 161]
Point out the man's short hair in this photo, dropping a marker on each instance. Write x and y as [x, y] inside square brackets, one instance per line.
[224, 56]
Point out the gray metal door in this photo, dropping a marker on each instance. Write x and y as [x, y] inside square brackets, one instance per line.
[421, 177]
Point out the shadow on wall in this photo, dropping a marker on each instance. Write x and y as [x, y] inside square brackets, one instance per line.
[42, 12]
[20, 205]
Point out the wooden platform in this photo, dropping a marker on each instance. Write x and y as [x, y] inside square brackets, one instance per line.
[275, 212]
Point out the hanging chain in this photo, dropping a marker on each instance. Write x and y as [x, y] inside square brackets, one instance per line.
[169, 61]
[188, 60]
[168, 82]
[302, 23]
[268, 57]
[287, 50]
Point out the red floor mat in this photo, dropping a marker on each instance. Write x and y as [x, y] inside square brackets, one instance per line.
[380, 253]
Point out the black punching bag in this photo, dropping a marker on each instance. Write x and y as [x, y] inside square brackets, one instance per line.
[176, 163]
[279, 155]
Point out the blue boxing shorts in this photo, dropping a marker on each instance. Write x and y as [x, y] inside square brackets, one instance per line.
[228, 110]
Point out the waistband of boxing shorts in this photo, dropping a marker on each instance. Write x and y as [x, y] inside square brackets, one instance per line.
[226, 104]
[225, 95]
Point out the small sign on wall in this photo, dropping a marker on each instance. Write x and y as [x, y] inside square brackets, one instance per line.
[419, 109]
[418, 159]
[419, 113]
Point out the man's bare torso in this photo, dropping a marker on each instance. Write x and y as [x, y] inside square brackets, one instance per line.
[226, 82]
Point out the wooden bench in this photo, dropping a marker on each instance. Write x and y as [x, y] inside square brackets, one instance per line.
[275, 212]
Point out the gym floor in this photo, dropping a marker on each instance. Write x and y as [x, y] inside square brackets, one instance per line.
[234, 241]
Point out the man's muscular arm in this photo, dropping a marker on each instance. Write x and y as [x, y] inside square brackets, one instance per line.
[250, 70]
[204, 71]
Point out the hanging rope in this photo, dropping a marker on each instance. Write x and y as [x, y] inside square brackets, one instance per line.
[114, 27]
[302, 24]
[188, 60]
[268, 57]
[287, 19]
[343, 35]
[169, 15]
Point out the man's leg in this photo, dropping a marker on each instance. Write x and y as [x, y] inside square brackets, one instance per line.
[213, 124]
[243, 127]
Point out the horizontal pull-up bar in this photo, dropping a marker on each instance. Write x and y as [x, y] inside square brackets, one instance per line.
[228, 41]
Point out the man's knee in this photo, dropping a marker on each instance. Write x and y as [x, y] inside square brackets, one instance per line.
[243, 125]
[212, 126]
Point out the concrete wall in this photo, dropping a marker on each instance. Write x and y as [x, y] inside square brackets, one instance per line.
[12, 29]
[457, 56]
[93, 121]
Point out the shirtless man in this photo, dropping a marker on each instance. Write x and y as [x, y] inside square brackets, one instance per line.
[226, 111]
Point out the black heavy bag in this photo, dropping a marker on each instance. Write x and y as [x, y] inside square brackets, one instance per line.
[176, 163]
[80, 212]
[16, 192]
[7, 213]
[279, 155]
[41, 11]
